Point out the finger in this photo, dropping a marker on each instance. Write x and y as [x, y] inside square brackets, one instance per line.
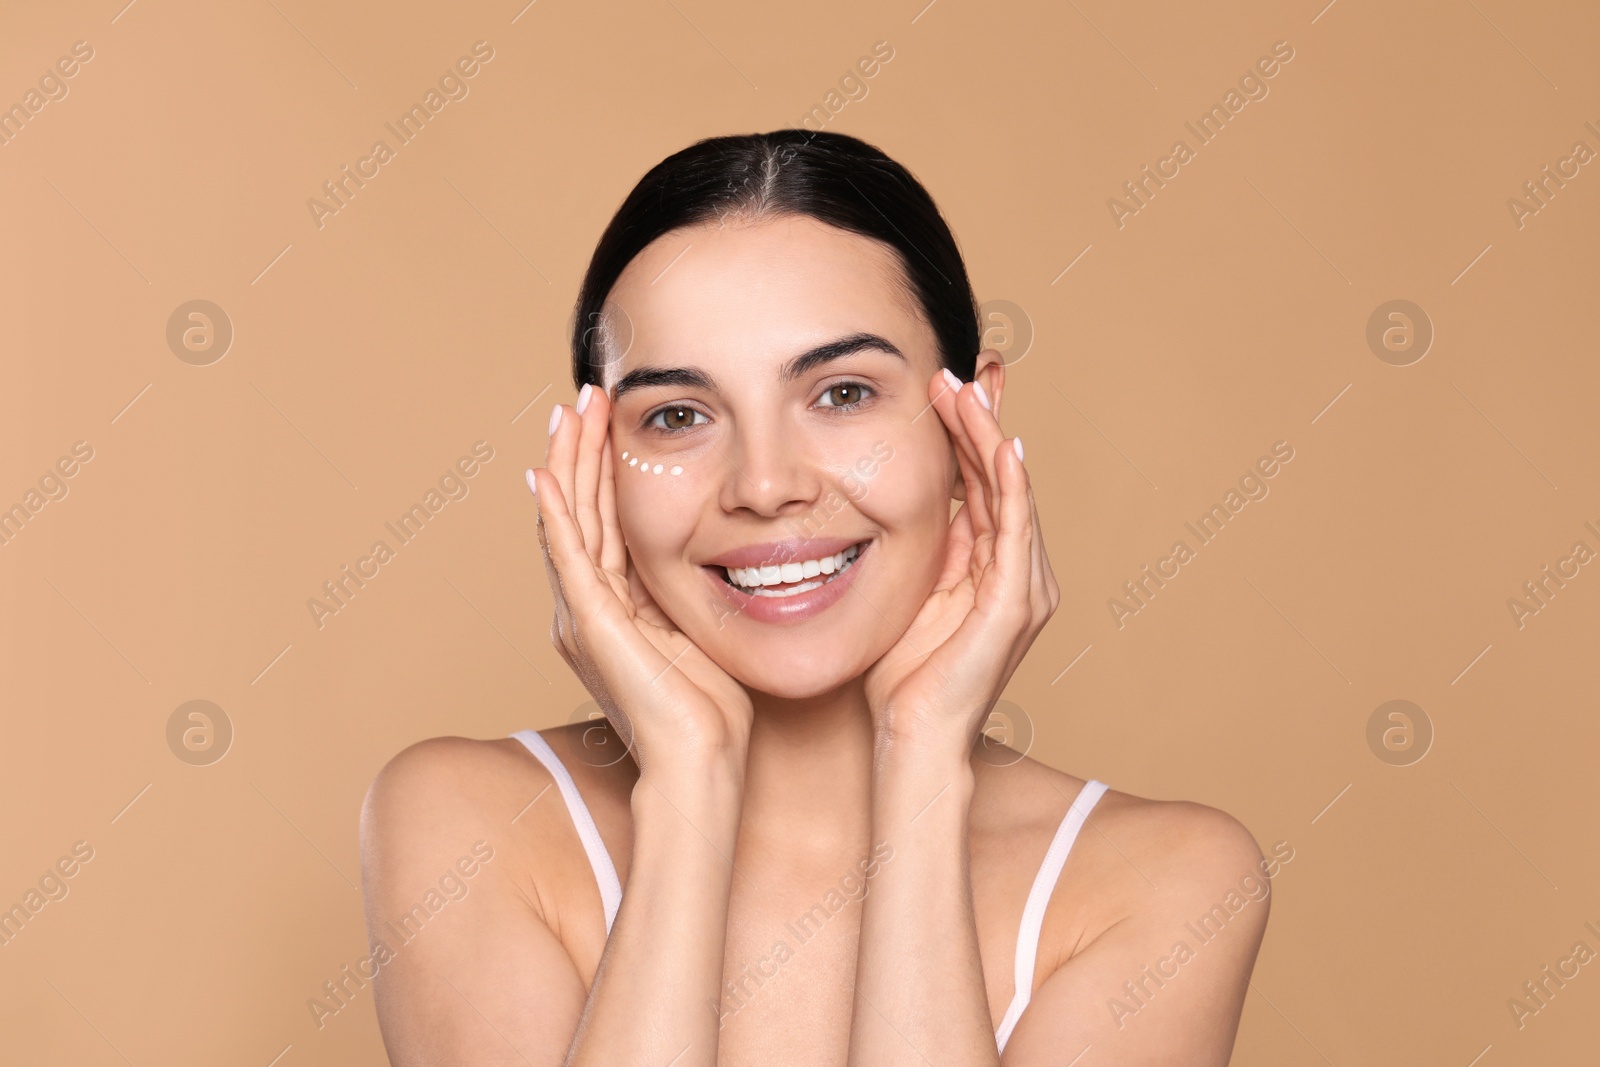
[595, 422]
[970, 462]
[574, 576]
[561, 449]
[561, 460]
[604, 638]
[1039, 595]
[1013, 570]
[613, 551]
[940, 385]
[1052, 588]
[979, 514]
[1037, 567]
[985, 433]
[982, 493]
[946, 404]
[561, 620]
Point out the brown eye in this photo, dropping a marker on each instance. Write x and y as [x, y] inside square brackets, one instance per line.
[673, 419]
[845, 394]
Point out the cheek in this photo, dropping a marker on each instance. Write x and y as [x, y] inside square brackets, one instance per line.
[901, 479]
[908, 497]
[658, 497]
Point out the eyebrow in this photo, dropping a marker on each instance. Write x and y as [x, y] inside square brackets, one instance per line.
[695, 378]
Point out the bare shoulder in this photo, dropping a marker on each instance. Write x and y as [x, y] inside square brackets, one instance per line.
[1125, 833]
[440, 760]
[1134, 858]
[1149, 886]
[437, 793]
[1187, 842]
[443, 787]
[466, 876]
[443, 782]
[437, 797]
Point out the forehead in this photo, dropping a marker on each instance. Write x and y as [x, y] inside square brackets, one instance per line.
[743, 294]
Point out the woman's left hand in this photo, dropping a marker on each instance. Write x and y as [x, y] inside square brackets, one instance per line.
[993, 596]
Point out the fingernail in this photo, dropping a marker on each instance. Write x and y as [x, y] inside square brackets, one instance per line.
[531, 483]
[1016, 445]
[983, 397]
[952, 380]
[583, 397]
[555, 419]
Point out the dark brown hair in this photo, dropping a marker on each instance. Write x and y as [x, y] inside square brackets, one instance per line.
[832, 177]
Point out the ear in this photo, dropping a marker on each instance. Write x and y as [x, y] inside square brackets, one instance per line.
[989, 372]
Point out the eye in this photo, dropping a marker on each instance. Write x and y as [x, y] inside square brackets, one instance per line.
[847, 388]
[672, 413]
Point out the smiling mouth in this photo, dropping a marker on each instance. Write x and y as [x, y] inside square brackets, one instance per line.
[792, 579]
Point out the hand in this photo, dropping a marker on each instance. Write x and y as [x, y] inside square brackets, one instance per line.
[993, 596]
[666, 698]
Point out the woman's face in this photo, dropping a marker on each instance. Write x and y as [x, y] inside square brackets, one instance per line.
[775, 461]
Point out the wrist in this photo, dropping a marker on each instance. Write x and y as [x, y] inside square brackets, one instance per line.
[906, 735]
[912, 768]
[705, 783]
[688, 754]
[916, 804]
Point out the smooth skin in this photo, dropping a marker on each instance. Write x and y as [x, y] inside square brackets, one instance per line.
[765, 765]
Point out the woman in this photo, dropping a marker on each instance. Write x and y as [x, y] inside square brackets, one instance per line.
[745, 520]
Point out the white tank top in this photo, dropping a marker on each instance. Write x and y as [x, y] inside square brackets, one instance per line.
[1044, 882]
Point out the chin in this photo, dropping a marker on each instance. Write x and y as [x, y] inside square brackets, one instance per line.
[792, 685]
[788, 669]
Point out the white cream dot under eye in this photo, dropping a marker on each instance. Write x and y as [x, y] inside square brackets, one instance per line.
[644, 467]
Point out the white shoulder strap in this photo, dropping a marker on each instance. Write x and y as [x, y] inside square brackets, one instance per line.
[1044, 884]
[605, 875]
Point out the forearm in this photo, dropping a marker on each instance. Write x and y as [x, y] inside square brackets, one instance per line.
[656, 989]
[920, 995]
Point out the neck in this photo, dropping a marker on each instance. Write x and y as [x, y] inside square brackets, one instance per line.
[809, 769]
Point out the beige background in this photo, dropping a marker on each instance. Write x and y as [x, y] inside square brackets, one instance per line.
[430, 313]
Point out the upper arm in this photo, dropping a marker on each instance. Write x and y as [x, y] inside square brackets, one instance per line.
[1166, 983]
[467, 973]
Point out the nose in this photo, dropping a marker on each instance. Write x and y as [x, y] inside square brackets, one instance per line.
[768, 472]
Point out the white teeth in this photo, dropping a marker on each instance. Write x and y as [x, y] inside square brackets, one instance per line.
[753, 578]
[791, 590]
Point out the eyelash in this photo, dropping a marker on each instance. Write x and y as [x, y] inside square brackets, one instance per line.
[649, 419]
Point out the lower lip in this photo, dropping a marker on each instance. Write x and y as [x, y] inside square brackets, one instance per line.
[788, 609]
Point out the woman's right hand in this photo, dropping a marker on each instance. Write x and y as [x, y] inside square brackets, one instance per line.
[673, 707]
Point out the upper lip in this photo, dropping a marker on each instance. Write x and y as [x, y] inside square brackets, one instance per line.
[774, 553]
